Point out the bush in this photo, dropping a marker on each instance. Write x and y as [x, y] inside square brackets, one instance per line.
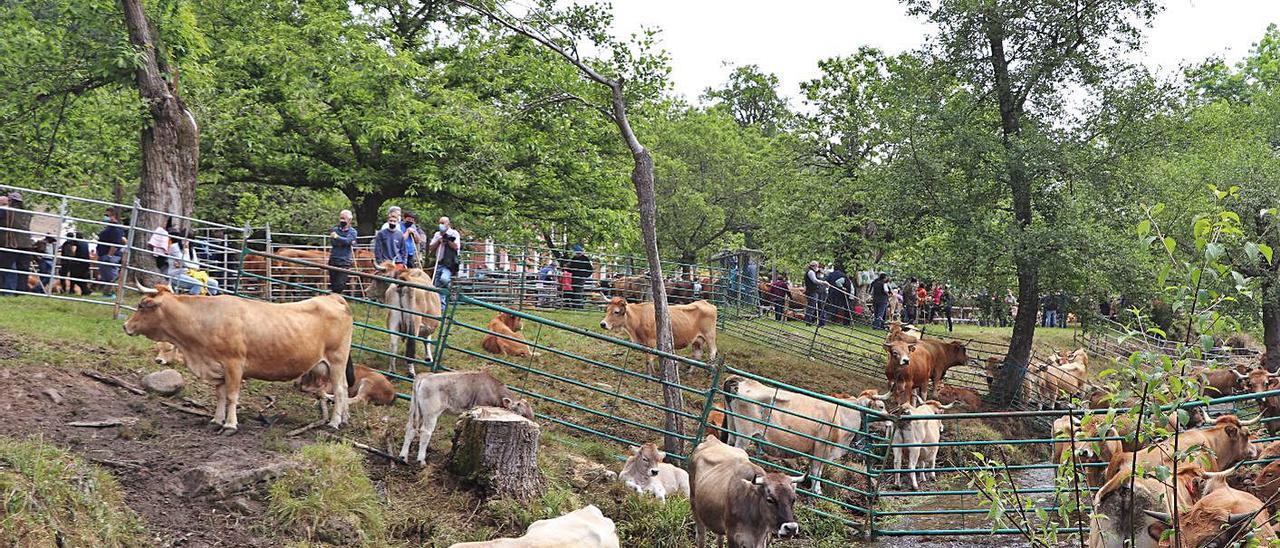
[329, 498]
[51, 498]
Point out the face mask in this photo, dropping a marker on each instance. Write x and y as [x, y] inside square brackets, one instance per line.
[408, 223]
[342, 224]
[106, 219]
[442, 227]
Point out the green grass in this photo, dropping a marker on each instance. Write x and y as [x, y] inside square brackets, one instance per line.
[329, 498]
[51, 498]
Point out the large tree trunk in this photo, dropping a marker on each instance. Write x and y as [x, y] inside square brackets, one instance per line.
[497, 450]
[170, 141]
[366, 211]
[1271, 320]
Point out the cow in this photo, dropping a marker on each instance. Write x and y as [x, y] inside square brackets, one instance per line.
[300, 273]
[692, 324]
[1222, 517]
[412, 313]
[1221, 446]
[504, 337]
[909, 335]
[1267, 482]
[1062, 378]
[918, 431]
[227, 339]
[681, 291]
[370, 386]
[631, 288]
[1123, 506]
[735, 498]
[1091, 449]
[1218, 383]
[968, 398]
[646, 472]
[586, 527]
[1257, 382]
[167, 353]
[715, 424]
[454, 393]
[792, 425]
[255, 274]
[924, 362]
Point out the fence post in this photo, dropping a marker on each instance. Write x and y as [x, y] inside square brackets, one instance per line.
[874, 481]
[709, 402]
[53, 273]
[450, 308]
[244, 247]
[270, 274]
[125, 255]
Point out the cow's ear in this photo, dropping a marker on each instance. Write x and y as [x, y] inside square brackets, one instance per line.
[888, 346]
[506, 402]
[911, 348]
[634, 450]
[662, 455]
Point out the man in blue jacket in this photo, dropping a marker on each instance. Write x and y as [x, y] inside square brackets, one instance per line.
[388, 243]
[341, 238]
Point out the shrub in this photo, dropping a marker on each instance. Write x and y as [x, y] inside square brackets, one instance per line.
[51, 498]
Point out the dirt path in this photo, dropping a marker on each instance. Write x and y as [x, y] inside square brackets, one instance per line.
[151, 459]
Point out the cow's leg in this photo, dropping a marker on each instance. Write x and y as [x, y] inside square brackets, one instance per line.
[411, 425]
[393, 327]
[913, 455]
[220, 411]
[933, 463]
[410, 349]
[711, 343]
[898, 453]
[232, 390]
[699, 533]
[426, 428]
[338, 385]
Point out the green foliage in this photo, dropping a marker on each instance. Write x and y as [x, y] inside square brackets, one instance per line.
[751, 97]
[329, 497]
[53, 498]
[514, 515]
[644, 521]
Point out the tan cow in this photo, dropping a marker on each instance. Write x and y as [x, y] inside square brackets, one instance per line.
[370, 386]
[918, 431]
[586, 527]
[909, 335]
[646, 472]
[692, 324]
[504, 328]
[227, 339]
[1222, 445]
[167, 353]
[453, 392]
[1258, 381]
[1123, 507]
[412, 312]
[911, 367]
[1062, 379]
[794, 426]
[1222, 517]
[735, 498]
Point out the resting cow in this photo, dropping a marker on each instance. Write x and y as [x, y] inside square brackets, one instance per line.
[586, 527]
[227, 339]
[167, 353]
[412, 313]
[792, 425]
[370, 386]
[646, 472]
[504, 327]
[1124, 506]
[1218, 447]
[453, 392]
[735, 498]
[1258, 381]
[691, 325]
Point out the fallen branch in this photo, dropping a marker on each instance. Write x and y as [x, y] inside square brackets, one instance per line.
[370, 449]
[194, 403]
[306, 428]
[116, 463]
[104, 424]
[177, 407]
[108, 379]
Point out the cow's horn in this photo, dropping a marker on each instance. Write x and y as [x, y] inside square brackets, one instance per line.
[1273, 375]
[146, 290]
[882, 397]
[1162, 516]
[949, 405]
[1222, 474]
[798, 479]
[758, 480]
[1242, 516]
[1252, 421]
[1239, 376]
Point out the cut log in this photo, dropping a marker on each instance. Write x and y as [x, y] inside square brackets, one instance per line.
[497, 451]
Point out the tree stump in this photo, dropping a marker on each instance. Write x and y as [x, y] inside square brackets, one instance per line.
[497, 451]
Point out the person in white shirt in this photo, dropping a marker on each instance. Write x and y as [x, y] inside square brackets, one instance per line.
[445, 243]
[181, 262]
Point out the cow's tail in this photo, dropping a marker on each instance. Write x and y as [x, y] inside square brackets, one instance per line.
[405, 327]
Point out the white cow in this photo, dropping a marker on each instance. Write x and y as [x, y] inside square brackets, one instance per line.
[919, 431]
[453, 392]
[646, 473]
[583, 528]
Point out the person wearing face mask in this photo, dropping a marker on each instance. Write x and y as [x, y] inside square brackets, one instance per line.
[341, 238]
[111, 242]
[413, 239]
[445, 243]
[388, 243]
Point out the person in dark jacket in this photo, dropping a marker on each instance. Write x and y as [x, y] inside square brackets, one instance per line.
[388, 243]
[880, 300]
[815, 285]
[946, 300]
[909, 301]
[579, 268]
[14, 224]
[341, 239]
[778, 292]
[838, 294]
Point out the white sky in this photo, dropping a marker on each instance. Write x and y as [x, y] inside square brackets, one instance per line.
[788, 38]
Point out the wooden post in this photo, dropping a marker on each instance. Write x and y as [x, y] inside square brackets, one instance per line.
[124, 260]
[497, 450]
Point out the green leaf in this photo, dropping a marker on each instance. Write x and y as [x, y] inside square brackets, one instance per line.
[1170, 244]
[1265, 250]
[1213, 250]
[1144, 227]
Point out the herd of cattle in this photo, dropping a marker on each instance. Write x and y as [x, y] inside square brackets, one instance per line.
[227, 339]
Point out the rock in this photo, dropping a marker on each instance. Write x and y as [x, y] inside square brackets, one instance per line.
[339, 531]
[166, 382]
[243, 505]
[53, 395]
[230, 472]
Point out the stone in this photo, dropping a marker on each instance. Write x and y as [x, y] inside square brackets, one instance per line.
[165, 382]
[231, 472]
[53, 395]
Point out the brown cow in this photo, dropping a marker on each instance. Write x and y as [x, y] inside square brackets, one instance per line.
[1217, 383]
[968, 399]
[1123, 507]
[504, 328]
[735, 498]
[370, 386]
[227, 339]
[921, 363]
[1222, 445]
[453, 392]
[1220, 518]
[715, 424]
[692, 324]
[645, 472]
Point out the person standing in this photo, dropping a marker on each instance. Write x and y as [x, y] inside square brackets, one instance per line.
[75, 264]
[814, 284]
[546, 284]
[922, 303]
[388, 243]
[909, 301]
[341, 239]
[879, 300]
[936, 301]
[778, 291]
[48, 248]
[14, 224]
[445, 243]
[1064, 302]
[945, 302]
[413, 239]
[579, 268]
[1050, 316]
[838, 294]
[111, 242]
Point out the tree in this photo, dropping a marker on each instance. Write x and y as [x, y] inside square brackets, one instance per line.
[1025, 55]
[751, 97]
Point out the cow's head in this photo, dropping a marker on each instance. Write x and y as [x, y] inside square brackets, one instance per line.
[1267, 482]
[167, 353]
[994, 364]
[1259, 381]
[899, 352]
[1210, 518]
[777, 494]
[641, 466]
[1234, 443]
[615, 314]
[153, 316]
[518, 406]
[511, 320]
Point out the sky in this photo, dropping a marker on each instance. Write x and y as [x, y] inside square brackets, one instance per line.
[788, 38]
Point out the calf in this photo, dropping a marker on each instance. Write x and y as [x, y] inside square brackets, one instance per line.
[454, 393]
[167, 353]
[920, 431]
[412, 312]
[646, 472]
[735, 498]
[504, 327]
[370, 386]
[966, 397]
